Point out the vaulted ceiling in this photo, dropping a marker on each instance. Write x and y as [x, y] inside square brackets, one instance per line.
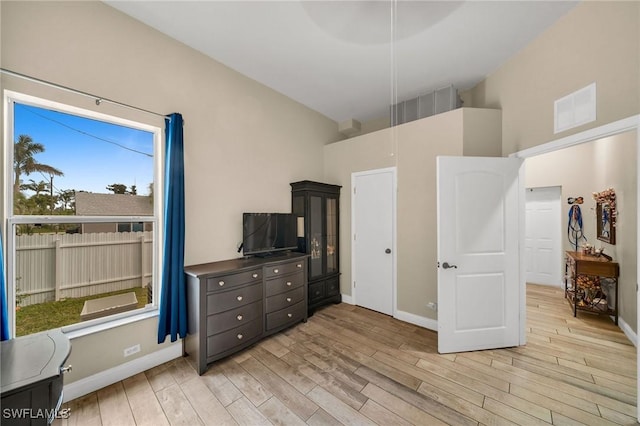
[353, 59]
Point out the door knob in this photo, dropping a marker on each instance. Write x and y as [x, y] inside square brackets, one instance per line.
[446, 265]
[388, 251]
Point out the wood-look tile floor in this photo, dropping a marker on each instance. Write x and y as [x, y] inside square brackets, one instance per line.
[348, 365]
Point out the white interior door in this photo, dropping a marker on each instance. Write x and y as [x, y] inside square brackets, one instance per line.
[480, 287]
[373, 242]
[542, 250]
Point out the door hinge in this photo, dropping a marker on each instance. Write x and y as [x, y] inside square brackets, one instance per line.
[354, 190]
[354, 284]
[354, 237]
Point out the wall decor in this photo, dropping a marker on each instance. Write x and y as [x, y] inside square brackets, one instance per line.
[606, 215]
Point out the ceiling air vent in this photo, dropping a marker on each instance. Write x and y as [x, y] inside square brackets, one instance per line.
[575, 109]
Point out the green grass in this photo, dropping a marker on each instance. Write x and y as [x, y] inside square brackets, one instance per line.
[45, 316]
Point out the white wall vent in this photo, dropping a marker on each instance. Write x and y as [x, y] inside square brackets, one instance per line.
[575, 109]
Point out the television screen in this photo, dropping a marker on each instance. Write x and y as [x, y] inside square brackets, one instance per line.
[264, 233]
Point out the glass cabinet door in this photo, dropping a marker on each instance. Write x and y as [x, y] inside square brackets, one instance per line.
[297, 208]
[316, 240]
[332, 235]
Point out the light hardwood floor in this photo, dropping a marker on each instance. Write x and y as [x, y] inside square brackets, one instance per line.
[348, 365]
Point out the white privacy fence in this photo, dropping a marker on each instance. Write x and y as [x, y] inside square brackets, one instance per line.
[59, 266]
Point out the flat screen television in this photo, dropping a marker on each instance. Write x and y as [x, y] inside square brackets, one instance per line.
[266, 233]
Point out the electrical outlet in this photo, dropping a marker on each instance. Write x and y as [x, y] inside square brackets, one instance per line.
[432, 305]
[132, 350]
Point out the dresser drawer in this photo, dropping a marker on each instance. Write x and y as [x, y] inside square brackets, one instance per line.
[284, 268]
[283, 300]
[236, 336]
[286, 283]
[233, 318]
[226, 281]
[288, 315]
[226, 300]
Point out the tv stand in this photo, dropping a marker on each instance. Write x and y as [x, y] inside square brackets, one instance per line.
[232, 304]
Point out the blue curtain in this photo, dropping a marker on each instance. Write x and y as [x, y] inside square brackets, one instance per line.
[173, 302]
[4, 315]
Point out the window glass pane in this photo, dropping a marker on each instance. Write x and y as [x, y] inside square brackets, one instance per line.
[70, 165]
[60, 267]
[79, 269]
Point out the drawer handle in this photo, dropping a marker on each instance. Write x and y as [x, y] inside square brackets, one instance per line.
[255, 275]
[239, 317]
[288, 283]
[239, 298]
[275, 271]
[220, 283]
[299, 265]
[288, 299]
[239, 336]
[64, 370]
[289, 315]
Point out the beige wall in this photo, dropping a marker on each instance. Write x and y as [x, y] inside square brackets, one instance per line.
[412, 148]
[595, 42]
[244, 143]
[593, 167]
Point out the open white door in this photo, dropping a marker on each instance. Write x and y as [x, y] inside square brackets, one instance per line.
[480, 286]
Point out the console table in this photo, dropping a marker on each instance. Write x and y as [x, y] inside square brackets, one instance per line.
[32, 369]
[585, 276]
[234, 303]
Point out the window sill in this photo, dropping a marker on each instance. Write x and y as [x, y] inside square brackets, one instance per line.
[101, 324]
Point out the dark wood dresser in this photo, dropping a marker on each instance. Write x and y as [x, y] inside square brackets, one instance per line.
[32, 378]
[234, 303]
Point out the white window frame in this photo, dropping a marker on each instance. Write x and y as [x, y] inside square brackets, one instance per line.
[11, 220]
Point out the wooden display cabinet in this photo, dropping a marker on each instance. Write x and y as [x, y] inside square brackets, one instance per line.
[317, 207]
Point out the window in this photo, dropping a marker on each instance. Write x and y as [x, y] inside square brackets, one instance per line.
[83, 219]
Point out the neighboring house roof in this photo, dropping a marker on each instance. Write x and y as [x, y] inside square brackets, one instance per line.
[90, 204]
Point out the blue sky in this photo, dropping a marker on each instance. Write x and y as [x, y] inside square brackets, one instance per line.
[91, 154]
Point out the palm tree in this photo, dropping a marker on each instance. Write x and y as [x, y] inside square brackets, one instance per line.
[36, 187]
[68, 199]
[23, 162]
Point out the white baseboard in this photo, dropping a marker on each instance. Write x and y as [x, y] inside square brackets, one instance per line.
[347, 299]
[429, 323]
[105, 378]
[628, 331]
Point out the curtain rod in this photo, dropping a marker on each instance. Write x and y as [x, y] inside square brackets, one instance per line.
[98, 99]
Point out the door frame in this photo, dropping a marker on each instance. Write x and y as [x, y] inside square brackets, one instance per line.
[394, 245]
[606, 130]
